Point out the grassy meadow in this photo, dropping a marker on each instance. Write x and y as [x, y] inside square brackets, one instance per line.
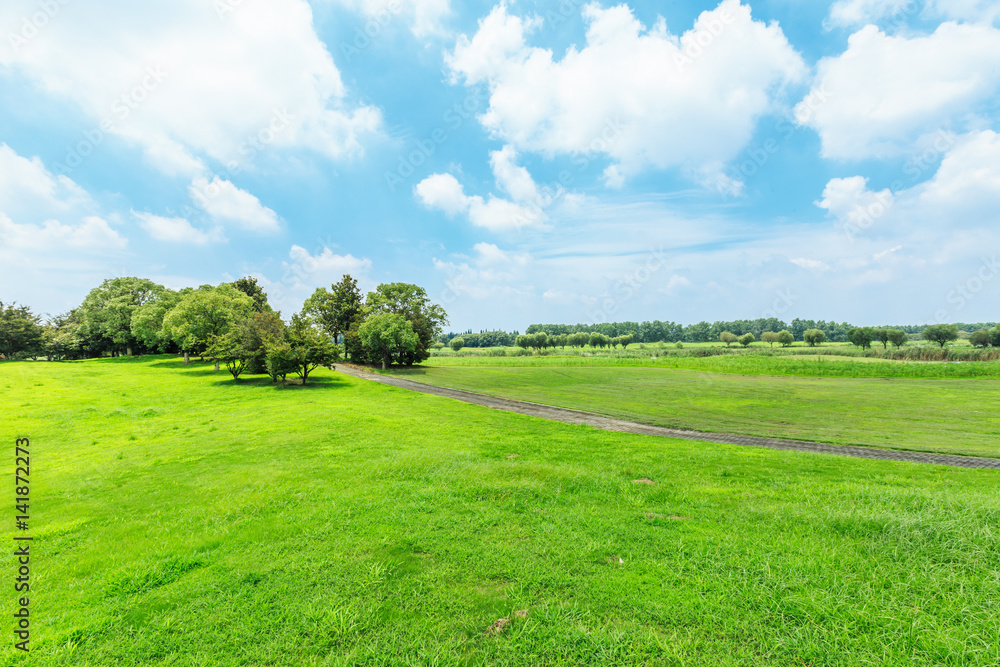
[183, 519]
[936, 415]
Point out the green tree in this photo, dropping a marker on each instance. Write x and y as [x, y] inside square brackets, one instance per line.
[980, 338]
[770, 338]
[147, 320]
[861, 336]
[995, 336]
[249, 286]
[205, 314]
[786, 338]
[107, 312]
[255, 336]
[412, 303]
[898, 337]
[814, 337]
[457, 343]
[746, 339]
[942, 334]
[389, 337]
[728, 338]
[337, 309]
[227, 348]
[310, 347]
[626, 340]
[881, 334]
[21, 331]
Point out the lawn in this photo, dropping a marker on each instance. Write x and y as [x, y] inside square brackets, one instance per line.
[181, 519]
[948, 416]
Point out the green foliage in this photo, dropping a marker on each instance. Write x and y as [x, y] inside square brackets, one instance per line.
[814, 337]
[310, 348]
[337, 309]
[106, 312]
[457, 343]
[770, 338]
[249, 286]
[21, 331]
[205, 314]
[227, 348]
[147, 320]
[390, 338]
[980, 338]
[728, 338]
[411, 302]
[942, 334]
[995, 336]
[786, 338]
[861, 336]
[746, 339]
[898, 337]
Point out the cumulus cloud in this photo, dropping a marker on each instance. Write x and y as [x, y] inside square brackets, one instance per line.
[192, 78]
[176, 230]
[984, 11]
[226, 203]
[426, 18]
[525, 208]
[641, 97]
[28, 190]
[851, 13]
[307, 269]
[889, 94]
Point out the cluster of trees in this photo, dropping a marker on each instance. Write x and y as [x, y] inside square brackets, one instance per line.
[543, 340]
[863, 337]
[233, 324]
[482, 339]
[986, 337]
[702, 332]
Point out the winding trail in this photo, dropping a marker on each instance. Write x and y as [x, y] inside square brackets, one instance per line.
[569, 416]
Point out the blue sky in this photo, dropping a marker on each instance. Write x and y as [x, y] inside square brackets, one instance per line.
[524, 162]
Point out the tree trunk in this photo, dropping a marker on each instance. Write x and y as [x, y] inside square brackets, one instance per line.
[383, 364]
[128, 351]
[187, 359]
[217, 364]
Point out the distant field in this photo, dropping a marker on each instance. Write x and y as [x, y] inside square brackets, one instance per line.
[801, 365]
[949, 416]
[181, 519]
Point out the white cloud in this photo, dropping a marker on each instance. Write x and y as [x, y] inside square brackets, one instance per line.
[28, 190]
[642, 97]
[306, 269]
[984, 11]
[176, 230]
[888, 94]
[92, 234]
[811, 264]
[192, 78]
[526, 208]
[851, 13]
[226, 203]
[426, 18]
[849, 199]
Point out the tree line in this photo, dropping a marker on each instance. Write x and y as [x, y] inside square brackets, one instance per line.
[232, 324]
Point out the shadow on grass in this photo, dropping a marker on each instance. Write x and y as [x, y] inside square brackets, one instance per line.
[258, 382]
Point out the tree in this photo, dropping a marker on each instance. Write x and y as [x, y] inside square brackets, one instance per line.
[770, 338]
[728, 338]
[21, 331]
[249, 286]
[746, 339]
[147, 320]
[861, 336]
[626, 340]
[389, 337]
[227, 349]
[457, 343]
[410, 301]
[942, 334]
[61, 339]
[995, 336]
[786, 338]
[205, 314]
[881, 334]
[980, 338]
[814, 337]
[310, 348]
[898, 337]
[107, 312]
[335, 310]
[255, 336]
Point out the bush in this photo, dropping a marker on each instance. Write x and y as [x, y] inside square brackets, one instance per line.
[457, 343]
[814, 337]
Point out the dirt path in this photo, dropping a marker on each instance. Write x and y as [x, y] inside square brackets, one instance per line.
[569, 416]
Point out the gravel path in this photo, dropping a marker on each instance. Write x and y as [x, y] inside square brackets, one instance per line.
[569, 416]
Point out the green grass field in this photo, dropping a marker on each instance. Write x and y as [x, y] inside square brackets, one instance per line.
[950, 416]
[181, 519]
